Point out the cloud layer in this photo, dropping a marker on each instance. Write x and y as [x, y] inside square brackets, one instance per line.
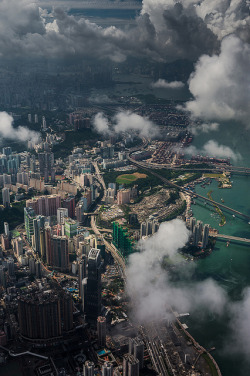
[125, 121]
[7, 131]
[164, 31]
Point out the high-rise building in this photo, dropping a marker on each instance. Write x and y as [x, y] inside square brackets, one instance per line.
[79, 212]
[18, 246]
[123, 196]
[59, 252]
[46, 162]
[131, 365]
[7, 151]
[122, 240]
[205, 236]
[45, 205]
[45, 316]
[196, 235]
[29, 118]
[2, 277]
[38, 269]
[101, 331]
[42, 244]
[32, 265]
[143, 229]
[44, 124]
[192, 224]
[69, 203]
[136, 348]
[149, 227]
[88, 368]
[70, 227]
[107, 369]
[36, 118]
[38, 224]
[6, 229]
[93, 293]
[6, 197]
[29, 216]
[62, 213]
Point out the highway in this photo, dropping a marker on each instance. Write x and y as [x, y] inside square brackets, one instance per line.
[193, 194]
[110, 247]
[23, 353]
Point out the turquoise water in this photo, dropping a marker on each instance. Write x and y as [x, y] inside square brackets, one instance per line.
[228, 266]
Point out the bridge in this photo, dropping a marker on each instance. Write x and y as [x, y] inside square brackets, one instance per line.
[233, 238]
[187, 191]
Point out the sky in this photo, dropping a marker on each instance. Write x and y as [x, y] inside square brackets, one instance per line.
[213, 34]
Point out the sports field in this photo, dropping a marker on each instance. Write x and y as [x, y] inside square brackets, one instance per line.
[130, 178]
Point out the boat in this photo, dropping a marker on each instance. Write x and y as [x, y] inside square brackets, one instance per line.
[233, 216]
[222, 200]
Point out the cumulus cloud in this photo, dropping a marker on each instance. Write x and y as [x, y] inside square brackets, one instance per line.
[125, 121]
[149, 284]
[163, 84]
[220, 83]
[101, 124]
[213, 149]
[7, 131]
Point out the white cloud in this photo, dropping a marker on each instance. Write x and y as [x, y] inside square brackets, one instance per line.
[149, 284]
[7, 131]
[213, 149]
[125, 121]
[197, 128]
[168, 85]
[220, 83]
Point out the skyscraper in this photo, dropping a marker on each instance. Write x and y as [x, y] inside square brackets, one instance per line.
[93, 293]
[38, 224]
[107, 369]
[136, 348]
[69, 203]
[29, 216]
[130, 365]
[6, 229]
[6, 197]
[44, 316]
[62, 213]
[70, 227]
[205, 236]
[101, 331]
[46, 161]
[88, 368]
[60, 252]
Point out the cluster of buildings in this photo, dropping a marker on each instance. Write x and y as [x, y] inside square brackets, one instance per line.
[122, 195]
[199, 233]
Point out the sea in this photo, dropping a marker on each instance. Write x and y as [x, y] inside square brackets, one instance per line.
[228, 264]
